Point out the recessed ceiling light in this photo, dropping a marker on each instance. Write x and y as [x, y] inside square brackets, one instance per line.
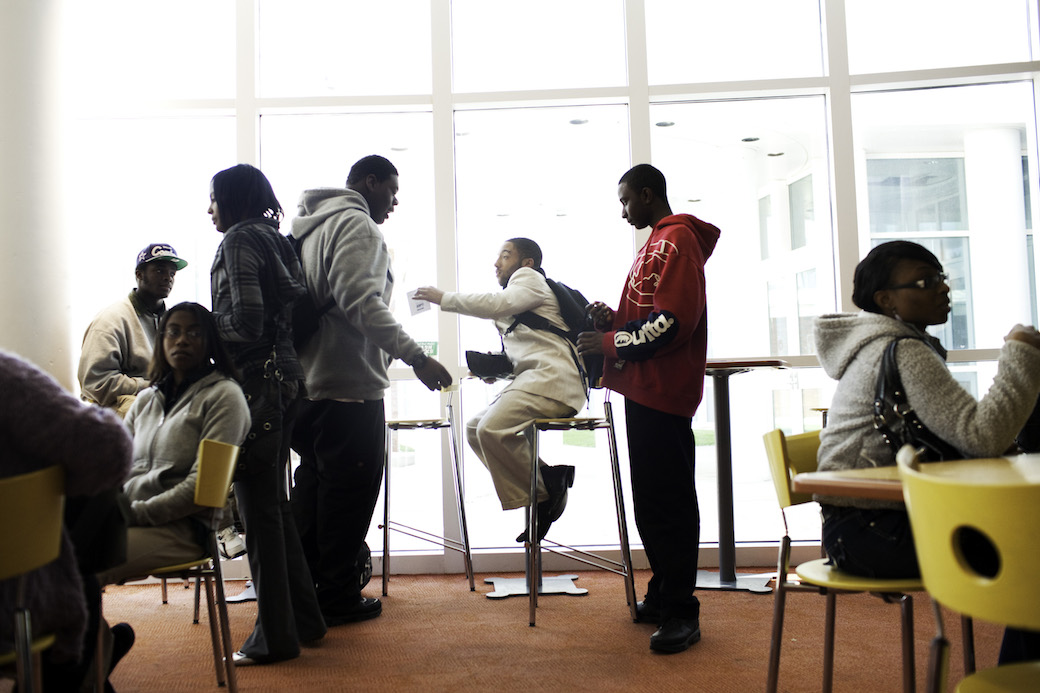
[749, 139]
[694, 200]
[775, 154]
[665, 124]
[399, 149]
[578, 121]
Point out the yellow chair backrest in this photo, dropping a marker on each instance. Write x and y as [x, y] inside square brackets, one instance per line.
[216, 469]
[948, 515]
[32, 508]
[790, 455]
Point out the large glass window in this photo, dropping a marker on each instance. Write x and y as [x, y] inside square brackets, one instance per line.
[763, 39]
[889, 35]
[136, 181]
[314, 48]
[722, 159]
[537, 44]
[126, 52]
[944, 167]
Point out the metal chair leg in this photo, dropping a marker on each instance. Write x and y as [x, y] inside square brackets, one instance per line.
[534, 564]
[460, 505]
[828, 643]
[619, 505]
[779, 604]
[386, 512]
[968, 638]
[906, 605]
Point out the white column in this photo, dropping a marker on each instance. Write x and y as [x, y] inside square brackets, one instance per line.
[997, 238]
[34, 318]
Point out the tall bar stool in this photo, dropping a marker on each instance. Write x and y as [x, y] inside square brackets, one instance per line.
[534, 547]
[388, 524]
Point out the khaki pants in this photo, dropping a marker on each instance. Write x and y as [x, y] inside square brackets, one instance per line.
[496, 435]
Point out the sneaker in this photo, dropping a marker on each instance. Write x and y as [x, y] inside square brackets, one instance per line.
[231, 544]
[248, 594]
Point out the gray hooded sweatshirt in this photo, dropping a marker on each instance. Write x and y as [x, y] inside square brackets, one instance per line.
[850, 347]
[344, 257]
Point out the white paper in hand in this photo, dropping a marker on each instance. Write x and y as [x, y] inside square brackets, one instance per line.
[415, 305]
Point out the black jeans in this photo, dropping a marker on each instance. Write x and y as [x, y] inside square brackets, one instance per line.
[337, 485]
[874, 543]
[287, 607]
[664, 495]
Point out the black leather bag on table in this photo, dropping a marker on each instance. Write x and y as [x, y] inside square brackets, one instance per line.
[897, 421]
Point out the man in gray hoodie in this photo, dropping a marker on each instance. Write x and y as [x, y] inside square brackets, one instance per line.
[340, 433]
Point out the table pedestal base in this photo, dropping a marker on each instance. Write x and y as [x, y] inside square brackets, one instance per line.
[517, 587]
[750, 583]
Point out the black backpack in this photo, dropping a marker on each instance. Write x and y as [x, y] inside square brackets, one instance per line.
[572, 310]
[305, 315]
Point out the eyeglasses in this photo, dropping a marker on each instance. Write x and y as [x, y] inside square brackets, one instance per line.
[926, 283]
[194, 334]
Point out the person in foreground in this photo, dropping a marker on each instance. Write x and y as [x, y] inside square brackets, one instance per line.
[42, 425]
[902, 290]
[546, 382]
[341, 432]
[193, 396]
[655, 348]
[255, 280]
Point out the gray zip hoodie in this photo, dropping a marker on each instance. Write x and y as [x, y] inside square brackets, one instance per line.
[344, 256]
[850, 347]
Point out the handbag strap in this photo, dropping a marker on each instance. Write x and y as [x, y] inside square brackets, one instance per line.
[889, 390]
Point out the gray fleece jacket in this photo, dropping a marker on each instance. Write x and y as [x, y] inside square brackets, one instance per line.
[161, 487]
[344, 257]
[850, 347]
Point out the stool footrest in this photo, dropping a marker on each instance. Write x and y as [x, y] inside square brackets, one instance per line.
[416, 424]
[587, 557]
[446, 542]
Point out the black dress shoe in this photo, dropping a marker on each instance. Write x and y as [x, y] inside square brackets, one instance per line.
[676, 635]
[648, 612]
[122, 641]
[557, 480]
[365, 609]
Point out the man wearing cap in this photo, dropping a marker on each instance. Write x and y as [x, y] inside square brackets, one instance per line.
[117, 346]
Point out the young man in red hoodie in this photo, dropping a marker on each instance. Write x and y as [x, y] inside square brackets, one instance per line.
[655, 348]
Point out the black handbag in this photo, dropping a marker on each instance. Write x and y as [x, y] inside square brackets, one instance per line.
[897, 421]
[489, 365]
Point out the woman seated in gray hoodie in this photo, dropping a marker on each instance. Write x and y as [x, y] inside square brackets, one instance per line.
[902, 290]
[193, 396]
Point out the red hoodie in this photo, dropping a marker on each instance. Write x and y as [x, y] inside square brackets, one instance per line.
[657, 349]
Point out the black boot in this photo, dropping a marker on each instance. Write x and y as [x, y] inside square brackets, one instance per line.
[557, 480]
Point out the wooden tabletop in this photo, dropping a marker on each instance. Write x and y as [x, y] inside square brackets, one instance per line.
[879, 483]
[882, 483]
[743, 364]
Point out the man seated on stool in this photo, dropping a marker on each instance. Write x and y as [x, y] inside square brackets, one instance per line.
[546, 383]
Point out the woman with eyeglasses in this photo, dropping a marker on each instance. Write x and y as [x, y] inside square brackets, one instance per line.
[902, 290]
[255, 280]
[193, 396]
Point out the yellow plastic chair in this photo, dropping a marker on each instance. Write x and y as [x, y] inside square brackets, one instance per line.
[216, 469]
[944, 514]
[32, 508]
[790, 455]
